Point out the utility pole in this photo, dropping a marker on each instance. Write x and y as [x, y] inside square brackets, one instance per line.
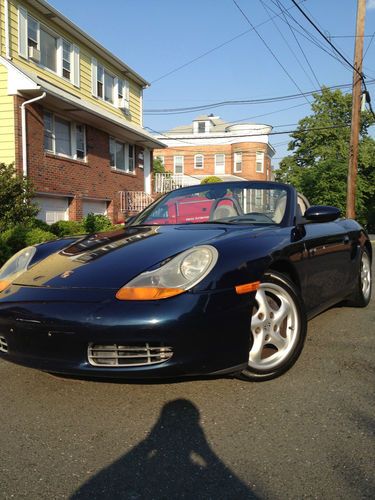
[356, 109]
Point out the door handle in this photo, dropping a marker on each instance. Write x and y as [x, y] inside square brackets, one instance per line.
[346, 239]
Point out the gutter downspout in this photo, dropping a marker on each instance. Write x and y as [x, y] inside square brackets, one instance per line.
[23, 130]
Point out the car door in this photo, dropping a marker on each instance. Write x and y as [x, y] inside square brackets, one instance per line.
[327, 263]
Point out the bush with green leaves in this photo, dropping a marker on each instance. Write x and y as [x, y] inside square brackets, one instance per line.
[210, 179]
[21, 236]
[15, 198]
[95, 223]
[67, 228]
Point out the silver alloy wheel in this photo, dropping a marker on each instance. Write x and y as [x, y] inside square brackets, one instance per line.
[365, 275]
[275, 326]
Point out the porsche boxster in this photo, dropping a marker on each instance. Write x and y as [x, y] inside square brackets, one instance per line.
[208, 280]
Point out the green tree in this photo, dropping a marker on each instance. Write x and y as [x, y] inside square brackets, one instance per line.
[15, 198]
[318, 164]
[158, 166]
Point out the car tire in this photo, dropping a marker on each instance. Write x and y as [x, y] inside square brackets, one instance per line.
[278, 328]
[362, 293]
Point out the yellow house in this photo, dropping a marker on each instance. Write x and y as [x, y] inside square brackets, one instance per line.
[70, 115]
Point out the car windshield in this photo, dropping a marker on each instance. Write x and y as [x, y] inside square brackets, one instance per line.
[227, 202]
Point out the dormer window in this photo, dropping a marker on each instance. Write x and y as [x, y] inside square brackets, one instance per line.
[201, 126]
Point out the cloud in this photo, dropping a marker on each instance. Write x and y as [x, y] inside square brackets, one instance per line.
[371, 4]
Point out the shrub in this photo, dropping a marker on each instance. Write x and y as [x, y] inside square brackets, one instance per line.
[95, 223]
[5, 252]
[15, 198]
[40, 224]
[211, 178]
[36, 235]
[21, 236]
[66, 228]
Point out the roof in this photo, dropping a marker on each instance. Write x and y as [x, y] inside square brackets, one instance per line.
[58, 18]
[219, 126]
[32, 85]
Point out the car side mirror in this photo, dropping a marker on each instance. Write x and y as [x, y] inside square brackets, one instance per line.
[322, 213]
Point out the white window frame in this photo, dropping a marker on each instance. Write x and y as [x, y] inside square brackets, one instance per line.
[219, 163]
[175, 161]
[73, 138]
[237, 160]
[196, 126]
[23, 47]
[259, 162]
[121, 87]
[129, 161]
[196, 163]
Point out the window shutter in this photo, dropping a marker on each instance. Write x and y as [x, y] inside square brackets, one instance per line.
[76, 68]
[22, 32]
[126, 95]
[94, 77]
[59, 58]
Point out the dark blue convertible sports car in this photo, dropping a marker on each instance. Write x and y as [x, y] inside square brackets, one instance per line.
[210, 279]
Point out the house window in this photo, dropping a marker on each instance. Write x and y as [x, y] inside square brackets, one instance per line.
[38, 43]
[201, 127]
[259, 161]
[66, 59]
[198, 161]
[178, 163]
[121, 156]
[64, 138]
[237, 167]
[48, 50]
[220, 163]
[109, 88]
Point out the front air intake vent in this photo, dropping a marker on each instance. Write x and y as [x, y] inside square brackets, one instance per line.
[3, 344]
[116, 355]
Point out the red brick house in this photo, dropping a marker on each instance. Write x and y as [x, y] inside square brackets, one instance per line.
[211, 146]
[71, 116]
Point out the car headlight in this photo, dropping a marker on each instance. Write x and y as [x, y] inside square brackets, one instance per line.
[176, 276]
[15, 266]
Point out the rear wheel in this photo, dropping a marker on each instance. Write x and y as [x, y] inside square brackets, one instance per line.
[362, 292]
[278, 328]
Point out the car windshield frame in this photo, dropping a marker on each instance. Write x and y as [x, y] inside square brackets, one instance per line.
[211, 194]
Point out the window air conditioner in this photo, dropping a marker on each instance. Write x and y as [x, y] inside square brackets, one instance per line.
[34, 54]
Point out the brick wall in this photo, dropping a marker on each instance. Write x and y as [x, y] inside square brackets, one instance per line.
[92, 178]
[248, 150]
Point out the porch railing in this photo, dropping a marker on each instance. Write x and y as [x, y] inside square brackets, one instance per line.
[166, 182]
[134, 201]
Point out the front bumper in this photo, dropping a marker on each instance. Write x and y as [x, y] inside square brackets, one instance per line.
[51, 330]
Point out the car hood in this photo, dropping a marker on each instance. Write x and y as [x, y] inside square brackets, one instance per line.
[110, 260]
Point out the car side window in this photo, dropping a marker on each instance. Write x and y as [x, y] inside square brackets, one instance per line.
[302, 205]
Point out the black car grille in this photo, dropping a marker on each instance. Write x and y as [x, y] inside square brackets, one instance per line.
[116, 355]
[3, 344]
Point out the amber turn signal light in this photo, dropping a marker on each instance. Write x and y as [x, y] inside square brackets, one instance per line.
[4, 284]
[247, 288]
[147, 293]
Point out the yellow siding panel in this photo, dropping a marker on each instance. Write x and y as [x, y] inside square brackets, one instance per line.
[85, 66]
[7, 136]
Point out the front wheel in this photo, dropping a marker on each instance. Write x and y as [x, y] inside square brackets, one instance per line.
[278, 328]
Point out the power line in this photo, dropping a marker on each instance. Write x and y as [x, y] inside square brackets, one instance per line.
[261, 133]
[269, 48]
[327, 39]
[299, 45]
[265, 7]
[265, 100]
[217, 47]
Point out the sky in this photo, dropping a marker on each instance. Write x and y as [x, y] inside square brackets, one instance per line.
[198, 52]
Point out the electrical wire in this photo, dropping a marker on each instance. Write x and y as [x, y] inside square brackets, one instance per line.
[265, 7]
[297, 41]
[217, 47]
[269, 49]
[265, 100]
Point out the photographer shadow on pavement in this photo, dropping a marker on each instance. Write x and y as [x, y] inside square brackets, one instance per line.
[174, 461]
